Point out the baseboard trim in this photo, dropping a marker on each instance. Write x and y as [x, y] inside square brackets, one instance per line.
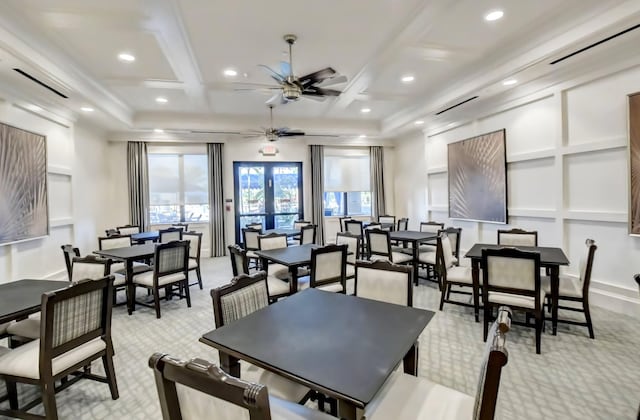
[615, 298]
[57, 275]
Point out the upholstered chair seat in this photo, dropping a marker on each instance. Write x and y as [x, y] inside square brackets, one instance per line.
[3, 328]
[427, 257]
[460, 275]
[513, 300]
[138, 267]
[3, 350]
[27, 328]
[277, 286]
[279, 271]
[396, 258]
[146, 279]
[567, 286]
[193, 264]
[251, 254]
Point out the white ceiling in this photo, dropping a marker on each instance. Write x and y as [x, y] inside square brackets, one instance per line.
[183, 46]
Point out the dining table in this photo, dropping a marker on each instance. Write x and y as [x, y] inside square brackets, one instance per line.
[293, 257]
[290, 232]
[142, 237]
[21, 298]
[551, 258]
[342, 346]
[414, 238]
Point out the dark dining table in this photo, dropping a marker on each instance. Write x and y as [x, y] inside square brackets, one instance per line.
[282, 231]
[342, 346]
[143, 237]
[550, 257]
[128, 255]
[21, 298]
[293, 257]
[414, 238]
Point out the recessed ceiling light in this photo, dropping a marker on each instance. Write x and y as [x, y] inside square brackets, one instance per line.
[365, 110]
[87, 109]
[34, 108]
[158, 130]
[363, 136]
[126, 57]
[493, 15]
[407, 79]
[419, 122]
[230, 73]
[510, 82]
[161, 100]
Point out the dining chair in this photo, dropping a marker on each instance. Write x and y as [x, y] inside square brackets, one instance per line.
[170, 234]
[183, 226]
[170, 269]
[198, 389]
[384, 281]
[353, 254]
[407, 397]
[128, 229]
[512, 277]
[387, 219]
[355, 227]
[308, 234]
[250, 241]
[298, 225]
[240, 265]
[121, 241]
[245, 295]
[342, 221]
[328, 269]
[516, 237]
[576, 290]
[76, 331]
[451, 275]
[274, 241]
[403, 224]
[69, 251]
[379, 248]
[429, 227]
[195, 245]
[254, 225]
[111, 232]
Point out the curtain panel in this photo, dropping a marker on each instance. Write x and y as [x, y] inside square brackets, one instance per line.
[216, 198]
[378, 204]
[138, 177]
[317, 190]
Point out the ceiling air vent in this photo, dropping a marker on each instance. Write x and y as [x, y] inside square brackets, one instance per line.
[33, 79]
[457, 105]
[595, 44]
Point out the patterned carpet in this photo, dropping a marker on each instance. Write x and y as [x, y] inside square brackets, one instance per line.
[573, 378]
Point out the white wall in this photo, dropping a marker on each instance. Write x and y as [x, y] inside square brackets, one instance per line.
[567, 177]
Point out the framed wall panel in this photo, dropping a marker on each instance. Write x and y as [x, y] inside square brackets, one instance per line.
[634, 163]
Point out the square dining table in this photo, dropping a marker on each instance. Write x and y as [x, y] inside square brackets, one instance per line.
[414, 238]
[142, 237]
[21, 298]
[342, 346]
[292, 257]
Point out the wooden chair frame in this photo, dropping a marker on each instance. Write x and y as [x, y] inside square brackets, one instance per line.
[196, 257]
[314, 282]
[107, 238]
[127, 227]
[445, 283]
[69, 251]
[238, 282]
[517, 231]
[237, 250]
[161, 232]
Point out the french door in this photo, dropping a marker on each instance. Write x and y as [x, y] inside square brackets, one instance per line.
[269, 193]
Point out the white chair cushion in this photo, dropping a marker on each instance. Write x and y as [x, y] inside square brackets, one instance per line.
[146, 279]
[279, 271]
[119, 279]
[351, 286]
[460, 275]
[278, 386]
[567, 286]
[406, 397]
[514, 300]
[24, 360]
[350, 271]
[28, 328]
[277, 286]
[427, 257]
[251, 254]
[379, 258]
[119, 266]
[4, 350]
[193, 263]
[334, 287]
[285, 410]
[400, 257]
[427, 248]
[3, 327]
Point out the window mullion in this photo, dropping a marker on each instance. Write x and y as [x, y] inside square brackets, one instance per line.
[181, 186]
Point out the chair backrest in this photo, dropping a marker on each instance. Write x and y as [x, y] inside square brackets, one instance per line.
[73, 316]
[403, 224]
[250, 238]
[495, 356]
[243, 296]
[254, 225]
[328, 265]
[384, 281]
[112, 232]
[239, 260]
[171, 258]
[378, 242]
[90, 267]
[298, 224]
[444, 254]
[373, 225]
[308, 234]
[170, 234]
[272, 241]
[586, 264]
[387, 219]
[515, 237]
[115, 241]
[510, 270]
[197, 389]
[353, 245]
[183, 226]
[431, 227]
[69, 251]
[454, 235]
[354, 227]
[195, 244]
[342, 221]
[128, 229]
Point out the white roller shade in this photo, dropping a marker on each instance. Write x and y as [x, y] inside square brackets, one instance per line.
[346, 172]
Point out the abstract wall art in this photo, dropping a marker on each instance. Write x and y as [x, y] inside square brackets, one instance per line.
[24, 212]
[634, 163]
[478, 178]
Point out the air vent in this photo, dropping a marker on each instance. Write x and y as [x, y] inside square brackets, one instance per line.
[457, 105]
[595, 44]
[33, 79]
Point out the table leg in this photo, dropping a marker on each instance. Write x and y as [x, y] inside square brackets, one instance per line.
[229, 364]
[131, 290]
[555, 272]
[346, 410]
[410, 361]
[475, 275]
[293, 287]
[415, 245]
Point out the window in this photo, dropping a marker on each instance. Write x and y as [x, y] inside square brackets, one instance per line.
[347, 189]
[178, 188]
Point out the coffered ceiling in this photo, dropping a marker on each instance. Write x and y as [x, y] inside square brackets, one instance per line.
[182, 47]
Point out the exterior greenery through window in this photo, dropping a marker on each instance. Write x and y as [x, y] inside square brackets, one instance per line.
[178, 188]
[347, 189]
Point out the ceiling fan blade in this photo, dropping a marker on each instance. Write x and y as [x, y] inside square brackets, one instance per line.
[317, 76]
[285, 68]
[312, 96]
[263, 90]
[333, 81]
[314, 90]
[255, 85]
[277, 76]
[275, 98]
[323, 135]
[291, 134]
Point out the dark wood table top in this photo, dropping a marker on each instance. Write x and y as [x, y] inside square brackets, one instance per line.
[129, 252]
[344, 344]
[411, 235]
[146, 236]
[24, 297]
[548, 255]
[289, 256]
[283, 231]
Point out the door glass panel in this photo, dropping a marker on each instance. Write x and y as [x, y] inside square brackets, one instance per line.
[245, 220]
[252, 191]
[285, 220]
[285, 189]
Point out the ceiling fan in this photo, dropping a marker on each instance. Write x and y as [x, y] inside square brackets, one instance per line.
[291, 88]
[271, 133]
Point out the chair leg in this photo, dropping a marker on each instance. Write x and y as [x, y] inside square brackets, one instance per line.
[49, 400]
[107, 361]
[486, 320]
[587, 315]
[445, 287]
[12, 392]
[538, 332]
[156, 301]
[199, 276]
[186, 292]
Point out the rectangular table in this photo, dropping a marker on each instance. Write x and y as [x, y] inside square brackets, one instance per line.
[21, 298]
[343, 346]
[142, 237]
[129, 254]
[550, 257]
[292, 257]
[414, 238]
[282, 231]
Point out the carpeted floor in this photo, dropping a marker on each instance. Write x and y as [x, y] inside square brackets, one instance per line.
[573, 378]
